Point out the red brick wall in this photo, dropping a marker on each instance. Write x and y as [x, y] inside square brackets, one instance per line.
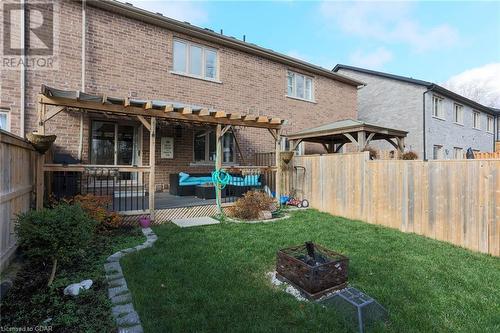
[126, 57]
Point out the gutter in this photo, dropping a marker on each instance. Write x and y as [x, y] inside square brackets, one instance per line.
[22, 80]
[211, 36]
[83, 60]
[429, 89]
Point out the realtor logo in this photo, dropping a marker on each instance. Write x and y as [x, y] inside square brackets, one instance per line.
[37, 50]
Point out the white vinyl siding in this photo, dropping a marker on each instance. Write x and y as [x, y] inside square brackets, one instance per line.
[300, 86]
[437, 107]
[195, 60]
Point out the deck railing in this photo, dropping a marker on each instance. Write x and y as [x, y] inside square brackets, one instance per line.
[123, 186]
[248, 178]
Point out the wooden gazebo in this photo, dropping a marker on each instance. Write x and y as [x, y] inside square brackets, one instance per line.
[52, 101]
[334, 136]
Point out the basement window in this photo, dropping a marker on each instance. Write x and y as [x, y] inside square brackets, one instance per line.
[4, 120]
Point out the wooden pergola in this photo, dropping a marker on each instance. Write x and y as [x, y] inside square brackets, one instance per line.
[52, 101]
[334, 136]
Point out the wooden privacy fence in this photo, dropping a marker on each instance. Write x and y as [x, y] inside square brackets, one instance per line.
[482, 156]
[17, 165]
[457, 201]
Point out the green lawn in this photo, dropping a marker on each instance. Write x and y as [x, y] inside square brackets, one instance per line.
[213, 279]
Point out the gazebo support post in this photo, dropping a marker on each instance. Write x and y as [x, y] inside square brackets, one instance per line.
[361, 140]
[401, 144]
[152, 162]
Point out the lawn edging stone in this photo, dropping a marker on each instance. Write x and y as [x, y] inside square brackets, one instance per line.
[126, 318]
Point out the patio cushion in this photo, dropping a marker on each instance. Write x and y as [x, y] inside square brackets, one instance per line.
[183, 176]
[195, 181]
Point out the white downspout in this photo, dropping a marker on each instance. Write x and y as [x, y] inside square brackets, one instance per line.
[23, 70]
[84, 34]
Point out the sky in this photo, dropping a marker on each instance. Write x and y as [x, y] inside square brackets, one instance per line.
[453, 43]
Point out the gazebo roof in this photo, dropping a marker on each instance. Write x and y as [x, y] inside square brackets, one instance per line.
[341, 127]
[161, 109]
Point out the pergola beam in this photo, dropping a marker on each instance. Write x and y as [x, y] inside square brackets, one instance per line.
[215, 117]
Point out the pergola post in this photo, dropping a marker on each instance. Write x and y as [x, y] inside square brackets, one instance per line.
[40, 160]
[152, 162]
[218, 162]
[277, 138]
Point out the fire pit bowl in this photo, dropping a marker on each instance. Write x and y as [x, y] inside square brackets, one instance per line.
[313, 269]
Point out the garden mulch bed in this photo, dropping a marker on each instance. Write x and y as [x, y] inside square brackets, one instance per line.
[31, 303]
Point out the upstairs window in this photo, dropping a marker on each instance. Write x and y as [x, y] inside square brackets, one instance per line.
[437, 107]
[195, 60]
[459, 113]
[4, 120]
[489, 124]
[299, 86]
[476, 120]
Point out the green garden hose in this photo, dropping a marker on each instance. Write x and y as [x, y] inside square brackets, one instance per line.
[220, 178]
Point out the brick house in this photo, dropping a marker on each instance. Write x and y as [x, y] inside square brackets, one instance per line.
[116, 49]
[441, 123]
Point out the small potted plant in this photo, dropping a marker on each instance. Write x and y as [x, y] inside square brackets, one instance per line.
[144, 221]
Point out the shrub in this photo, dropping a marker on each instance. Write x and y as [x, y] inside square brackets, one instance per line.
[55, 235]
[96, 208]
[249, 206]
[409, 155]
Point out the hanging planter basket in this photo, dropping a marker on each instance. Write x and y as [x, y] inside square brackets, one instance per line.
[41, 143]
[286, 156]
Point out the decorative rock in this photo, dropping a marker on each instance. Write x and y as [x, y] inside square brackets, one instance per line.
[113, 277]
[129, 250]
[115, 257]
[75, 288]
[265, 215]
[118, 283]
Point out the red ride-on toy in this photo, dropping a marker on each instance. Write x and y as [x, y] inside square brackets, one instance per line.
[298, 203]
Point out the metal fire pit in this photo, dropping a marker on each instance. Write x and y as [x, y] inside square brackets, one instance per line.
[312, 269]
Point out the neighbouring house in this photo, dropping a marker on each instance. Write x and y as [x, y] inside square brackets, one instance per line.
[109, 48]
[144, 55]
[441, 123]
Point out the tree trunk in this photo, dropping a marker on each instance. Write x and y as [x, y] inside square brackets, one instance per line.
[53, 273]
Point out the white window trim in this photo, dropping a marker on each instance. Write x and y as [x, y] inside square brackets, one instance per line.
[488, 118]
[461, 123]
[479, 120]
[207, 152]
[442, 116]
[7, 113]
[294, 87]
[203, 49]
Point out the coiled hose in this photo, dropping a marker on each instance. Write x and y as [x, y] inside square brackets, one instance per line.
[220, 178]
